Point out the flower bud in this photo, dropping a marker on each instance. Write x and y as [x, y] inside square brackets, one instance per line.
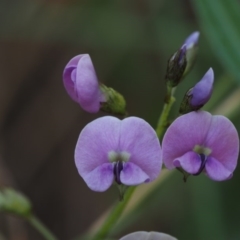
[192, 50]
[14, 202]
[176, 67]
[81, 83]
[198, 96]
[182, 61]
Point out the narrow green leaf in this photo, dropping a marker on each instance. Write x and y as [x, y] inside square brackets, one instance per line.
[220, 21]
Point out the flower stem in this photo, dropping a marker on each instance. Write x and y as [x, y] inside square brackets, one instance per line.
[38, 225]
[163, 119]
[115, 214]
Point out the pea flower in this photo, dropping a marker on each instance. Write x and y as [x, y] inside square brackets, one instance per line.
[141, 235]
[198, 96]
[127, 151]
[199, 142]
[81, 83]
[182, 60]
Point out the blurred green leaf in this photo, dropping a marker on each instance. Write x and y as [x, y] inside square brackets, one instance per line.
[220, 21]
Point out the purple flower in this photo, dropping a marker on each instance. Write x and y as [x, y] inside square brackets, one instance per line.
[127, 151]
[198, 142]
[198, 96]
[81, 83]
[141, 235]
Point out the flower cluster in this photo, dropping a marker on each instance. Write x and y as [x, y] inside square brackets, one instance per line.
[128, 152]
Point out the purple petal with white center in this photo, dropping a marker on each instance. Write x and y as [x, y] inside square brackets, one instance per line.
[100, 178]
[96, 140]
[223, 140]
[216, 170]
[192, 39]
[133, 175]
[190, 162]
[81, 83]
[141, 235]
[183, 134]
[202, 91]
[140, 140]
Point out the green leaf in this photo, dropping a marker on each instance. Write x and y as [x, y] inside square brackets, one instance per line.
[220, 21]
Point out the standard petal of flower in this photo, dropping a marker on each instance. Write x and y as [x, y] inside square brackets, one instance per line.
[68, 81]
[223, 140]
[190, 162]
[202, 91]
[133, 175]
[183, 134]
[96, 140]
[101, 178]
[141, 235]
[216, 170]
[140, 140]
[87, 86]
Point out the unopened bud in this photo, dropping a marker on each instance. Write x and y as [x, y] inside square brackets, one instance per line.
[182, 61]
[198, 96]
[176, 67]
[192, 49]
[14, 202]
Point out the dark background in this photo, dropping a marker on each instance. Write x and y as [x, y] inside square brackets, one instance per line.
[129, 42]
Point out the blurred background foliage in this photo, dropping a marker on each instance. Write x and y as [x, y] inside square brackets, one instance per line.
[130, 42]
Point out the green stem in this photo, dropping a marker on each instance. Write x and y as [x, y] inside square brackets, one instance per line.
[38, 225]
[163, 119]
[115, 214]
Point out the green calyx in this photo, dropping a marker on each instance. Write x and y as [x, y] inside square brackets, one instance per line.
[115, 102]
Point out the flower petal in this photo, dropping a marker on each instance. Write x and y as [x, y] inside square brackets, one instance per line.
[183, 134]
[202, 91]
[87, 88]
[133, 175]
[223, 140]
[216, 170]
[95, 141]
[190, 162]
[192, 39]
[140, 140]
[68, 81]
[141, 235]
[101, 178]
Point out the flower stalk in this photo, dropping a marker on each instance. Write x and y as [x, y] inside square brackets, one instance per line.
[114, 216]
[40, 227]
